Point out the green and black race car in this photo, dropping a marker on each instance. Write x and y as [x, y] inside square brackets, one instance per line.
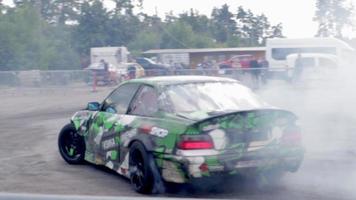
[180, 129]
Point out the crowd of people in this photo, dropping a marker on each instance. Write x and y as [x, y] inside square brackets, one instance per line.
[252, 67]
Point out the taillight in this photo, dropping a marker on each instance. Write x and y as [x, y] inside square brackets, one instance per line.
[195, 142]
[195, 145]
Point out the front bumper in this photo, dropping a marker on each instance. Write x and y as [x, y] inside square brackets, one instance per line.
[183, 168]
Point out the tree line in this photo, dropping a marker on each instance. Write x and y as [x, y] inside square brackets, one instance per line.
[58, 34]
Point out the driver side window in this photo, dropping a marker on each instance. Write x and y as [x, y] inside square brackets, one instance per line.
[119, 100]
[145, 102]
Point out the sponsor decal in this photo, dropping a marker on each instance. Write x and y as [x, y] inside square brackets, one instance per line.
[159, 132]
[107, 144]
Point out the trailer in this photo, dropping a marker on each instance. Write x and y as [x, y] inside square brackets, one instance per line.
[112, 55]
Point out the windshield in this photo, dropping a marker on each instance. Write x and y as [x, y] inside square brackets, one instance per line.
[211, 98]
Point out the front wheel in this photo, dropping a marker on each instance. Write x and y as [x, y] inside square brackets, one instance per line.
[71, 145]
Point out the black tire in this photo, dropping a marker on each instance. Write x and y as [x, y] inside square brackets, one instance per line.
[141, 169]
[71, 145]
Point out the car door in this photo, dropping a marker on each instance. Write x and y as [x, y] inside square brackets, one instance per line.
[106, 125]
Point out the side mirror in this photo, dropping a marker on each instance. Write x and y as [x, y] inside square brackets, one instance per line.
[93, 106]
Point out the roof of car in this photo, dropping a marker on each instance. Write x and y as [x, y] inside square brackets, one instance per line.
[174, 80]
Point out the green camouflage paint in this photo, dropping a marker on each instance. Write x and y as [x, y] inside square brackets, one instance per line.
[239, 136]
[123, 130]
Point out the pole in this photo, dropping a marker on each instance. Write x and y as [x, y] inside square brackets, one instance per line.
[95, 80]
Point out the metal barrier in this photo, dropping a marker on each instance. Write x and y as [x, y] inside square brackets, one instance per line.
[71, 78]
[9, 196]
[36, 78]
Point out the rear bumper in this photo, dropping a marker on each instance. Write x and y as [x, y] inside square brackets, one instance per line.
[183, 169]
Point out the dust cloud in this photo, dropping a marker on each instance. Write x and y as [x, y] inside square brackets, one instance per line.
[325, 102]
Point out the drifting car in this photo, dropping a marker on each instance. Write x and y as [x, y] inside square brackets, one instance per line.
[180, 129]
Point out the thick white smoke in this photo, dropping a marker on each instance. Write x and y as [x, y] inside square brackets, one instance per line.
[325, 101]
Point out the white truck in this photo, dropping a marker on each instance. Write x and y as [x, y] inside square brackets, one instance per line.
[114, 56]
[116, 59]
[281, 52]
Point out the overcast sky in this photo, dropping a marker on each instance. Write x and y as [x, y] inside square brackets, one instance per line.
[295, 15]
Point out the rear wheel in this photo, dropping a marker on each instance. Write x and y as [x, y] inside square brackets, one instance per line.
[142, 169]
[71, 145]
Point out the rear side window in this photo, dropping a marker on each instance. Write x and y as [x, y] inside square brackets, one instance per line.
[145, 102]
[119, 100]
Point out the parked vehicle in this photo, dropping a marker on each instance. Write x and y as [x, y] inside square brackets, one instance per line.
[239, 61]
[315, 66]
[152, 68]
[132, 70]
[278, 49]
[101, 75]
[182, 129]
[113, 55]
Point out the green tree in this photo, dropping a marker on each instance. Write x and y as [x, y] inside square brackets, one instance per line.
[223, 24]
[253, 30]
[126, 6]
[149, 35]
[176, 35]
[51, 34]
[55, 11]
[122, 29]
[333, 16]
[93, 27]
[60, 52]
[181, 35]
[22, 45]
[276, 31]
[28, 42]
[198, 22]
[144, 41]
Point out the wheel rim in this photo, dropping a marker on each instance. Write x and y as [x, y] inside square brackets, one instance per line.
[137, 171]
[71, 145]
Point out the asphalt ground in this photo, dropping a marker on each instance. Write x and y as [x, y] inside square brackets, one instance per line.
[30, 119]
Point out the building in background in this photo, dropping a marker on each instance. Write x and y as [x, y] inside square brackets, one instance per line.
[192, 57]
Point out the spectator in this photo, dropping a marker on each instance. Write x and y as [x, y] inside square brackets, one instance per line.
[104, 72]
[298, 68]
[255, 68]
[264, 71]
[178, 69]
[131, 72]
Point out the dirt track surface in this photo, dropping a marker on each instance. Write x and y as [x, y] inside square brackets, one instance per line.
[30, 119]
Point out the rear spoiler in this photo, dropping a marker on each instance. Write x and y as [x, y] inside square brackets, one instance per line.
[245, 111]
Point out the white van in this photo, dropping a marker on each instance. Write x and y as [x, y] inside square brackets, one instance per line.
[313, 60]
[315, 65]
[278, 50]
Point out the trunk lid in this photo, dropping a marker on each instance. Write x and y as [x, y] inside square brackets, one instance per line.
[246, 131]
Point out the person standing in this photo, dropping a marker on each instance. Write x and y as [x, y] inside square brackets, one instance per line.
[264, 64]
[105, 71]
[255, 68]
[298, 68]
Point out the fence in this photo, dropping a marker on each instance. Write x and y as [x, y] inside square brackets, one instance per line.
[72, 78]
